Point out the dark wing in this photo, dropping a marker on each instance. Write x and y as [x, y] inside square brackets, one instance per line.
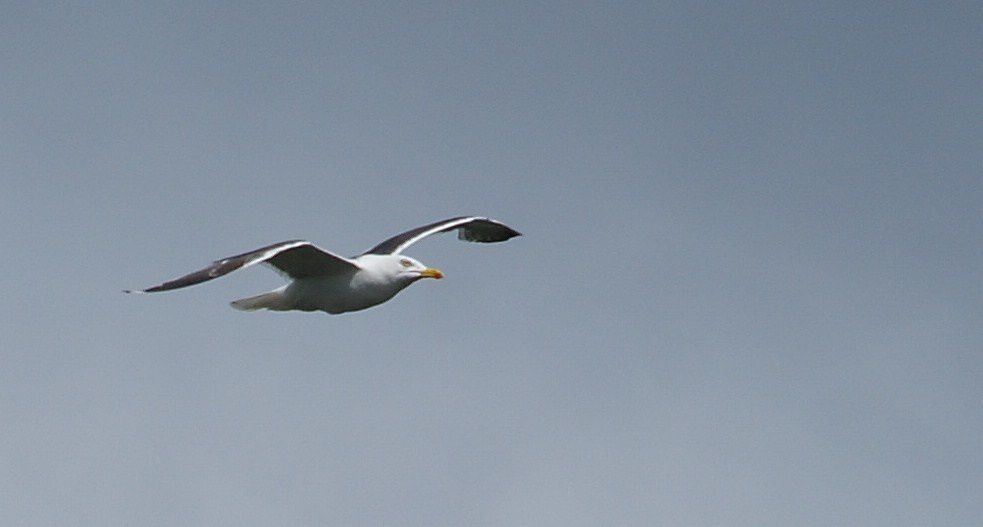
[471, 228]
[296, 259]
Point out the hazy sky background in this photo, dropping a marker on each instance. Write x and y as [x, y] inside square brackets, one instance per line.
[750, 290]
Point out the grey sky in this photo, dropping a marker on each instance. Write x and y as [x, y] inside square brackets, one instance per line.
[750, 290]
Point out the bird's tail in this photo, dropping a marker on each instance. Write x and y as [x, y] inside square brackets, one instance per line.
[271, 300]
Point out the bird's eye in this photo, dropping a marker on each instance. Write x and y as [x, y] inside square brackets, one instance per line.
[406, 263]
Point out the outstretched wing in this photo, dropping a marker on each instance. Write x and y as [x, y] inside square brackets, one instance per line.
[295, 259]
[470, 228]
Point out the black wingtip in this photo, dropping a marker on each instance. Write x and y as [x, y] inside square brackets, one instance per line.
[509, 233]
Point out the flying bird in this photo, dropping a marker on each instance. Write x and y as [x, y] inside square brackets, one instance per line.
[324, 281]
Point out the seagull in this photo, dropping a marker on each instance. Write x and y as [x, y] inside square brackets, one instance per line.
[324, 281]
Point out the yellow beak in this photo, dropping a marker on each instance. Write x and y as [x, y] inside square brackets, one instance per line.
[430, 272]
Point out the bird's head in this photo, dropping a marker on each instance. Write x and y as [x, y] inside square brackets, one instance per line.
[411, 269]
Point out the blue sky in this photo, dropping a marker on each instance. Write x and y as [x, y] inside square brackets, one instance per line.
[749, 290]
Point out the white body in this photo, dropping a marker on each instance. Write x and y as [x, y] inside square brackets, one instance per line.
[379, 278]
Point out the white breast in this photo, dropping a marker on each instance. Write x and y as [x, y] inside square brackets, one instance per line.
[368, 287]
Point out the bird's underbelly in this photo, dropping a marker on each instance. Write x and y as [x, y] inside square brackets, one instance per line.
[337, 295]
